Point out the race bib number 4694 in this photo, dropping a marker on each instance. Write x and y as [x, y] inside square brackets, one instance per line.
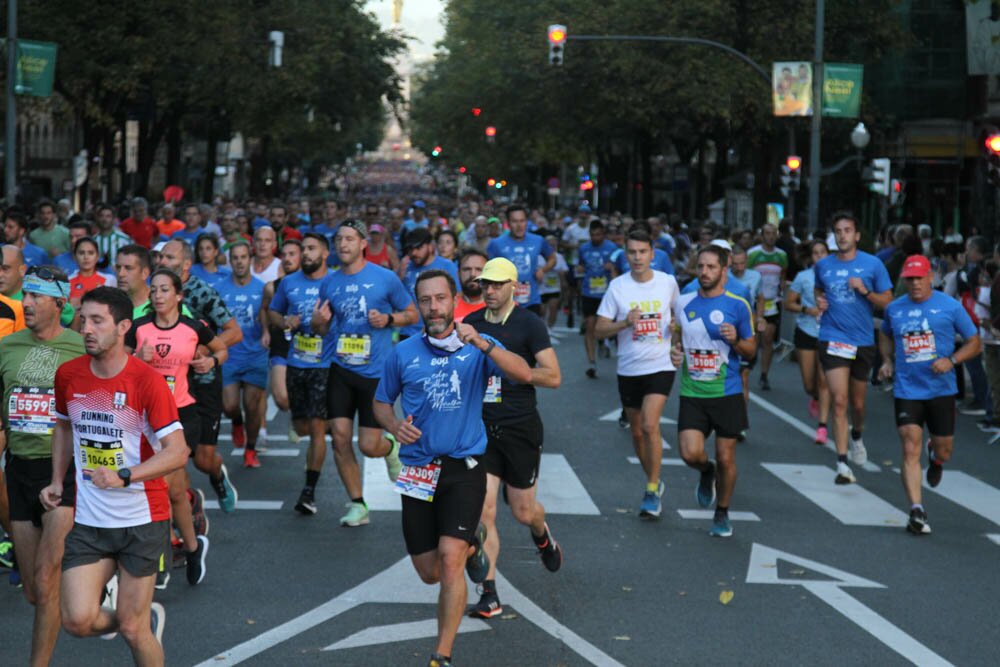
[919, 346]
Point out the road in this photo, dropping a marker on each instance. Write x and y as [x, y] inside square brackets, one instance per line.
[815, 573]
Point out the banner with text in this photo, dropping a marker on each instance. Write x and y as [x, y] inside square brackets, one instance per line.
[36, 68]
[842, 89]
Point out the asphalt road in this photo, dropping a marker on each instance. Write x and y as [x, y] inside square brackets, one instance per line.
[815, 573]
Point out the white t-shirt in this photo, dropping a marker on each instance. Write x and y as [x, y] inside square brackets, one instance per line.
[644, 348]
[552, 284]
[270, 274]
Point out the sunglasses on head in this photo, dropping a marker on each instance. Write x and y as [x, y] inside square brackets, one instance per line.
[48, 275]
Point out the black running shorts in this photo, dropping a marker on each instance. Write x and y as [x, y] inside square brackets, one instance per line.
[307, 392]
[589, 305]
[726, 415]
[804, 341]
[208, 399]
[138, 549]
[514, 451]
[455, 511]
[861, 365]
[25, 480]
[937, 413]
[348, 393]
[633, 388]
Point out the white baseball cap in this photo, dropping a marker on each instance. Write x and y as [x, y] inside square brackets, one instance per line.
[722, 243]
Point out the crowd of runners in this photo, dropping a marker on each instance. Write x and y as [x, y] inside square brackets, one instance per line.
[127, 336]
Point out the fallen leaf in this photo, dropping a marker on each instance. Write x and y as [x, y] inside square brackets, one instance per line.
[626, 588]
[798, 571]
[509, 617]
[769, 565]
[887, 462]
[250, 621]
[725, 597]
[682, 593]
[623, 638]
[621, 510]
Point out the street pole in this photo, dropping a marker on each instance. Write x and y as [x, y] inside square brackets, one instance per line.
[10, 138]
[817, 116]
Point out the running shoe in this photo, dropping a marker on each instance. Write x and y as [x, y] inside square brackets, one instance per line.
[721, 526]
[605, 350]
[229, 497]
[162, 579]
[988, 426]
[764, 384]
[704, 493]
[293, 437]
[262, 437]
[592, 373]
[110, 600]
[477, 565]
[357, 515]
[438, 660]
[307, 502]
[651, 506]
[157, 619]
[196, 562]
[813, 408]
[7, 553]
[918, 522]
[549, 551]
[198, 515]
[623, 420]
[487, 607]
[821, 435]
[742, 435]
[239, 436]
[973, 411]
[844, 474]
[393, 465]
[14, 578]
[250, 459]
[858, 453]
[934, 468]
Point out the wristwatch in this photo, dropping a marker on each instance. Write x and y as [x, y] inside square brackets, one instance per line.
[389, 323]
[951, 358]
[125, 475]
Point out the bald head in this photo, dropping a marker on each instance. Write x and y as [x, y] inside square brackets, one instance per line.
[11, 270]
[177, 256]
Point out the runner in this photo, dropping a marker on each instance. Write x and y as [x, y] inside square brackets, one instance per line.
[637, 309]
[28, 362]
[86, 276]
[442, 379]
[298, 299]
[207, 266]
[276, 343]
[379, 252]
[551, 289]
[470, 267]
[116, 417]
[772, 263]
[530, 254]
[849, 286]
[421, 256]
[917, 341]
[753, 281]
[594, 273]
[715, 327]
[266, 267]
[244, 375]
[514, 430]
[366, 301]
[132, 269]
[800, 298]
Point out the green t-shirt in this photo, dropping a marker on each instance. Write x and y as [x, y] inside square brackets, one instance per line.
[28, 371]
[147, 309]
[54, 241]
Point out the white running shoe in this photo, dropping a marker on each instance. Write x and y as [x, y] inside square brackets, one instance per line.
[157, 619]
[858, 453]
[844, 474]
[110, 601]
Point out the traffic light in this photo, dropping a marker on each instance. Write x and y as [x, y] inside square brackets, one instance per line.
[557, 43]
[491, 182]
[791, 175]
[462, 170]
[896, 195]
[436, 152]
[881, 166]
[491, 133]
[476, 111]
[992, 144]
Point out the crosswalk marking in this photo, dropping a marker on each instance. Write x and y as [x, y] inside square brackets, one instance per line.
[248, 504]
[710, 514]
[850, 504]
[614, 414]
[974, 495]
[993, 537]
[270, 452]
[559, 488]
[634, 460]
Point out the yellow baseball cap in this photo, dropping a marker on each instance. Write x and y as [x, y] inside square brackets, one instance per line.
[499, 270]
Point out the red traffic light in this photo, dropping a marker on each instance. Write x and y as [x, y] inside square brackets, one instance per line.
[897, 186]
[794, 162]
[557, 34]
[993, 144]
[491, 182]
[461, 170]
[491, 131]
[476, 111]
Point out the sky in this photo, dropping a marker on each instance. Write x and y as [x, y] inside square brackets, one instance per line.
[421, 19]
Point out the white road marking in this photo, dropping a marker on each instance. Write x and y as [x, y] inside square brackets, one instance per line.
[850, 504]
[708, 515]
[248, 504]
[801, 426]
[559, 488]
[402, 632]
[270, 452]
[614, 414]
[974, 495]
[763, 569]
[993, 537]
[634, 460]
[399, 585]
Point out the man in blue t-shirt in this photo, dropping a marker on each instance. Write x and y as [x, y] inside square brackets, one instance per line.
[441, 378]
[594, 272]
[850, 284]
[366, 302]
[917, 341]
[421, 255]
[530, 254]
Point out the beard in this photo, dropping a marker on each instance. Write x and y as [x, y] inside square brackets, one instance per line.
[709, 285]
[472, 289]
[309, 267]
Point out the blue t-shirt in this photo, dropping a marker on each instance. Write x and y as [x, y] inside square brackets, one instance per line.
[244, 302]
[188, 237]
[923, 332]
[711, 366]
[35, 256]
[221, 274]
[297, 295]
[849, 318]
[259, 222]
[410, 281]
[803, 285]
[733, 285]
[444, 394]
[661, 262]
[666, 243]
[751, 279]
[67, 263]
[526, 255]
[361, 348]
[595, 276]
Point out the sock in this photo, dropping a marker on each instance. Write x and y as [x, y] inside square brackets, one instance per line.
[763, 376]
[541, 541]
[822, 425]
[709, 468]
[251, 446]
[360, 500]
[855, 434]
[841, 458]
[216, 482]
[312, 478]
[489, 586]
[652, 487]
[721, 512]
[916, 506]
[238, 420]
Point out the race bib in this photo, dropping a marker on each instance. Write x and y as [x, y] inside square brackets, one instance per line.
[419, 482]
[580, 269]
[171, 381]
[770, 307]
[842, 350]
[308, 348]
[919, 346]
[704, 365]
[30, 410]
[647, 328]
[598, 284]
[355, 350]
[94, 454]
[493, 390]
[551, 281]
[522, 293]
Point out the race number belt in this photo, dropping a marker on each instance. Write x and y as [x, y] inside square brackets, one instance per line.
[598, 284]
[30, 410]
[842, 350]
[919, 346]
[770, 307]
[355, 350]
[419, 482]
[493, 390]
[94, 454]
[704, 365]
[522, 292]
[647, 328]
[308, 348]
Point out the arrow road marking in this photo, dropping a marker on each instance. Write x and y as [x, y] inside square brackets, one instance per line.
[708, 515]
[402, 632]
[763, 569]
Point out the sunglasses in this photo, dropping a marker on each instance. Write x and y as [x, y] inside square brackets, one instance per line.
[48, 275]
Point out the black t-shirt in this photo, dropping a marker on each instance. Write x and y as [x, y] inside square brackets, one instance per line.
[525, 334]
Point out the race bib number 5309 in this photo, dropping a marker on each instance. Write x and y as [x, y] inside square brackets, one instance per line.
[419, 482]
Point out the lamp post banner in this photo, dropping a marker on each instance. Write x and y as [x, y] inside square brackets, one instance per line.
[842, 89]
[791, 88]
[36, 68]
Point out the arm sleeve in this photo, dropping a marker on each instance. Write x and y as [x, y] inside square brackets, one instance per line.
[493, 249]
[389, 384]
[744, 323]
[205, 335]
[546, 249]
[886, 327]
[218, 311]
[796, 285]
[60, 384]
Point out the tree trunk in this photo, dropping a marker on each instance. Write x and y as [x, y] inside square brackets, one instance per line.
[174, 151]
[208, 189]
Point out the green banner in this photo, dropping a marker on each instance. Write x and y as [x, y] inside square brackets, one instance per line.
[36, 68]
[842, 89]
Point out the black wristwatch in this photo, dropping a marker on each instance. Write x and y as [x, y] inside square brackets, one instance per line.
[389, 323]
[125, 475]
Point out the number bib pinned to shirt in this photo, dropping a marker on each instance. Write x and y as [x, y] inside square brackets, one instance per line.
[30, 409]
[94, 454]
[522, 293]
[704, 365]
[171, 382]
[551, 281]
[493, 390]
[419, 482]
[770, 307]
[598, 284]
[648, 329]
[919, 346]
[842, 350]
[355, 350]
[308, 348]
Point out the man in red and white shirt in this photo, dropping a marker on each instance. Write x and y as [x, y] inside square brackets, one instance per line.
[116, 418]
